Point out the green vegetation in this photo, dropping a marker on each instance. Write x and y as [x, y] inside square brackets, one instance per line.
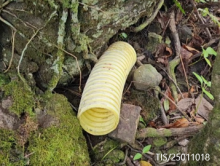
[3, 79]
[142, 121]
[205, 12]
[62, 143]
[107, 153]
[145, 150]
[123, 36]
[204, 84]
[23, 99]
[177, 3]
[206, 52]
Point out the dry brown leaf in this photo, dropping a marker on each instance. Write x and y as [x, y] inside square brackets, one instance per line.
[203, 107]
[181, 123]
[190, 49]
[169, 94]
[185, 104]
[168, 52]
[193, 89]
[186, 55]
[183, 95]
[144, 163]
[199, 119]
[178, 124]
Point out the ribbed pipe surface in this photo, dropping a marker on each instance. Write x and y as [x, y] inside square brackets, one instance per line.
[99, 109]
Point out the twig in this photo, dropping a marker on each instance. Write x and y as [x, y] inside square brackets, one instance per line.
[150, 19]
[128, 88]
[163, 115]
[184, 71]
[7, 23]
[172, 64]
[27, 24]
[23, 52]
[5, 3]
[12, 50]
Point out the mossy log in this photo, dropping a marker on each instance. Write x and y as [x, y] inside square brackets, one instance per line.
[152, 132]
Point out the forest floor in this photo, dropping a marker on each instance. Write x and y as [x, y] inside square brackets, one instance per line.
[180, 43]
[166, 103]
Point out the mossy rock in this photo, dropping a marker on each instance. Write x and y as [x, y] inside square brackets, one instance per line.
[107, 153]
[23, 98]
[63, 142]
[158, 142]
[10, 153]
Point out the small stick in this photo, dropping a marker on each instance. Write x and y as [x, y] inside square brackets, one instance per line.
[12, 50]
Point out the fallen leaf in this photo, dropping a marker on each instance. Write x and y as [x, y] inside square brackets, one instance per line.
[199, 119]
[203, 107]
[190, 49]
[168, 52]
[183, 95]
[185, 104]
[180, 123]
[193, 89]
[169, 94]
[144, 163]
[177, 124]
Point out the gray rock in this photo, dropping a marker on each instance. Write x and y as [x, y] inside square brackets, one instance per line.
[145, 77]
[127, 127]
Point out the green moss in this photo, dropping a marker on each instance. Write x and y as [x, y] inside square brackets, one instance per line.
[61, 144]
[3, 79]
[23, 99]
[158, 142]
[106, 152]
[9, 152]
[174, 150]
[154, 133]
[148, 103]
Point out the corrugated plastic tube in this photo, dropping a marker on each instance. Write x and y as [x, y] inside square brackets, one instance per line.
[99, 109]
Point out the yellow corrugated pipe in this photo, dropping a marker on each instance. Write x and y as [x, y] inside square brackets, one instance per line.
[99, 109]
